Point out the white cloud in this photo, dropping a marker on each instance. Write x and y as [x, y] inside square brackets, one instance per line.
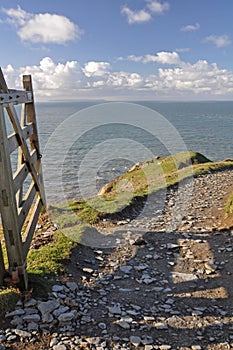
[218, 41]
[43, 27]
[162, 57]
[12, 76]
[145, 14]
[200, 77]
[190, 27]
[125, 80]
[49, 78]
[133, 58]
[96, 69]
[65, 81]
[135, 16]
[17, 16]
[183, 49]
[158, 7]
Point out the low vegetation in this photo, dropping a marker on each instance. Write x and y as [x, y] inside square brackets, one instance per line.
[73, 218]
[139, 181]
[48, 258]
[8, 298]
[43, 265]
[229, 206]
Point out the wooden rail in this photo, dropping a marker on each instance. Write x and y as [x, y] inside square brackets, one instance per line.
[22, 194]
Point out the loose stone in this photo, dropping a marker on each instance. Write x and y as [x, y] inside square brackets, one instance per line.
[48, 306]
[136, 341]
[59, 347]
[102, 325]
[57, 288]
[115, 310]
[152, 285]
[22, 334]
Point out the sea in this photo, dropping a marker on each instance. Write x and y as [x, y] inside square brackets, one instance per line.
[85, 144]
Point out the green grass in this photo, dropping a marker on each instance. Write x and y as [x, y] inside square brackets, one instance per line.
[229, 205]
[141, 180]
[43, 265]
[8, 298]
[74, 218]
[48, 259]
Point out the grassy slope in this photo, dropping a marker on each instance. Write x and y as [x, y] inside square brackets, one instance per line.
[146, 177]
[141, 180]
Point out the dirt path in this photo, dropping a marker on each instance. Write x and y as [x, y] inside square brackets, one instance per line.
[167, 284]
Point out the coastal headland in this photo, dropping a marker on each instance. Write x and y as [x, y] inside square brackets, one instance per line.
[157, 273]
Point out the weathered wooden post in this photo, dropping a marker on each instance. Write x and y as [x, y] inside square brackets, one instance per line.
[2, 266]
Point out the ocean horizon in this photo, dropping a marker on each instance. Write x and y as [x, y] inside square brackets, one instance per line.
[203, 126]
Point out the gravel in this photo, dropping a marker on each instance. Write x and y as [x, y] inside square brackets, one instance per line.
[158, 289]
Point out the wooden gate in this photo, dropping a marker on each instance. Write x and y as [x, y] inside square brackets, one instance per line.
[22, 194]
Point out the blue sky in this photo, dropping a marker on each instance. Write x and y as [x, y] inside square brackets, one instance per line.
[119, 49]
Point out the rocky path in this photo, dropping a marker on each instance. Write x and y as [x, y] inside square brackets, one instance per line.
[166, 283]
